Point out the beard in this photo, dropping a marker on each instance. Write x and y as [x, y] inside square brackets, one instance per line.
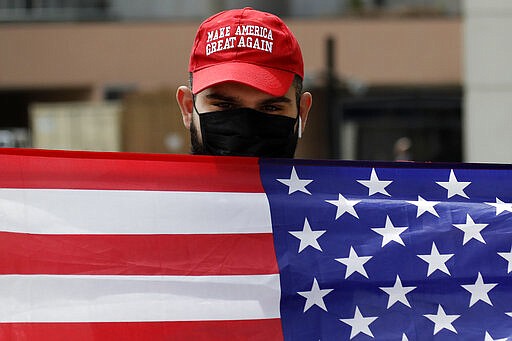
[196, 144]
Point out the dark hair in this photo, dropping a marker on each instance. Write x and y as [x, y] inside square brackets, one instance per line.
[297, 83]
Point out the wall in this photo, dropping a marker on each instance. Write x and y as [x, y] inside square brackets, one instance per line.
[488, 81]
[378, 51]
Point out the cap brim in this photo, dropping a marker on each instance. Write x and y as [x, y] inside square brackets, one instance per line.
[272, 81]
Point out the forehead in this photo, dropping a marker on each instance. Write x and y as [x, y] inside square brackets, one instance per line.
[243, 92]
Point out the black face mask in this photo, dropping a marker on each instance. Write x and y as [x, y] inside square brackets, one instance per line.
[248, 132]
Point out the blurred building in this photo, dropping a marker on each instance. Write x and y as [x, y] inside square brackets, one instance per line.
[380, 71]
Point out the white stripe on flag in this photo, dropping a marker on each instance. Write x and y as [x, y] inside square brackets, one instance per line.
[57, 211]
[44, 298]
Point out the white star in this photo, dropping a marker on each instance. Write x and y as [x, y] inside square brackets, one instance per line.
[479, 291]
[295, 184]
[509, 314]
[397, 293]
[344, 206]
[442, 321]
[359, 324]
[390, 233]
[425, 206]
[501, 206]
[436, 261]
[354, 263]
[315, 296]
[488, 337]
[454, 187]
[307, 237]
[471, 230]
[375, 185]
[508, 257]
[404, 337]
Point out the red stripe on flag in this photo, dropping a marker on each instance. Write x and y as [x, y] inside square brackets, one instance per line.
[32, 168]
[254, 330]
[194, 255]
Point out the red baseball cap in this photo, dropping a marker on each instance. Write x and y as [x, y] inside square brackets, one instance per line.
[246, 46]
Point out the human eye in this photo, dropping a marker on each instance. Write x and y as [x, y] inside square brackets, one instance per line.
[271, 108]
[224, 105]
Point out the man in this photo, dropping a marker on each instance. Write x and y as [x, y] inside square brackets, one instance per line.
[245, 96]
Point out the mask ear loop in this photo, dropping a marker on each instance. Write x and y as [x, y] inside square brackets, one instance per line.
[300, 128]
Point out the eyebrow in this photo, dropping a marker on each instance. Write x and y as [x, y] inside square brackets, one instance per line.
[273, 100]
[227, 98]
[221, 97]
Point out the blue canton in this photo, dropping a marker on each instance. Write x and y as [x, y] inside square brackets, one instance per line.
[392, 251]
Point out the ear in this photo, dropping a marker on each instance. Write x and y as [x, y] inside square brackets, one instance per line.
[185, 100]
[306, 100]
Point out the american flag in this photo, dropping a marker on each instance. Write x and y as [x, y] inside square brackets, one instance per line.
[119, 246]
